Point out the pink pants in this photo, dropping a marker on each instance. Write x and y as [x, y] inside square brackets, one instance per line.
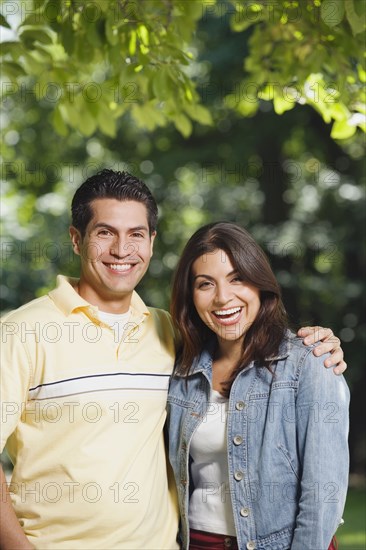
[200, 540]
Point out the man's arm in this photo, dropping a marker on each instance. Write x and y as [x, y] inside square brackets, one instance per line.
[15, 381]
[12, 536]
[328, 344]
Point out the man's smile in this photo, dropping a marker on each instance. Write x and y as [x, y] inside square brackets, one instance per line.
[121, 268]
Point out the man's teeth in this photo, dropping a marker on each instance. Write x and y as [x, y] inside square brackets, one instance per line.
[228, 311]
[120, 267]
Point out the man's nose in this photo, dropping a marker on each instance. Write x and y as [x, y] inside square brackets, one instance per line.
[122, 248]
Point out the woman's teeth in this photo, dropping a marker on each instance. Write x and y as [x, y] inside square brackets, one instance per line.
[227, 312]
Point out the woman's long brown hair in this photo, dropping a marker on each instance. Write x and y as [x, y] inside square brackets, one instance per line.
[264, 336]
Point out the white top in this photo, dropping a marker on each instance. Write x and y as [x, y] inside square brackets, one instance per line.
[117, 321]
[210, 503]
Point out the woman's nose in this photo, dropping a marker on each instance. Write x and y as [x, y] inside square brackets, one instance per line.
[223, 294]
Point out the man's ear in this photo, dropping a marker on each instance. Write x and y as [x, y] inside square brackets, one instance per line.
[76, 239]
[152, 238]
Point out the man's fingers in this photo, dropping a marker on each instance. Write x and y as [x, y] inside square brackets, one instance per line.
[305, 331]
[334, 359]
[339, 369]
[329, 343]
[312, 335]
[332, 345]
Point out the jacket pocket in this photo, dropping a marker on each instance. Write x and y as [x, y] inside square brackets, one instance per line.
[289, 460]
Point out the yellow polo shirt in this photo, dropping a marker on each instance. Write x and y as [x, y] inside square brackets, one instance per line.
[82, 417]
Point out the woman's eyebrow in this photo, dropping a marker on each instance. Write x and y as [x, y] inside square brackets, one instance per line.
[233, 272]
[202, 275]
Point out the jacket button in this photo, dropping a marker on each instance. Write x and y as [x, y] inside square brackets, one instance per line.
[244, 512]
[238, 440]
[238, 475]
[239, 405]
[251, 545]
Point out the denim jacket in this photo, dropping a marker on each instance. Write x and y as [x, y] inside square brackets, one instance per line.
[287, 447]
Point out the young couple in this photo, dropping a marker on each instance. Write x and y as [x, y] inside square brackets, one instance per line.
[257, 425]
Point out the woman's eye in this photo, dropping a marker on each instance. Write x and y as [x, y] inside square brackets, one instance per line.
[204, 284]
[237, 279]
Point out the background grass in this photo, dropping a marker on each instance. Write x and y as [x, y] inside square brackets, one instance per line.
[352, 535]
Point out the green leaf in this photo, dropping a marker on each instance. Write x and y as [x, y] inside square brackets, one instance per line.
[70, 114]
[199, 113]
[356, 22]
[342, 130]
[246, 107]
[143, 34]
[267, 93]
[56, 51]
[58, 122]
[12, 70]
[111, 31]
[84, 50]
[361, 73]
[106, 121]
[183, 125]
[246, 16]
[360, 108]
[15, 49]
[339, 112]
[33, 64]
[148, 115]
[103, 5]
[162, 83]
[132, 43]
[332, 12]
[68, 37]
[3, 22]
[35, 33]
[51, 13]
[88, 123]
[281, 104]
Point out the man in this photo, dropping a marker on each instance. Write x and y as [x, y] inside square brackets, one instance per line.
[85, 373]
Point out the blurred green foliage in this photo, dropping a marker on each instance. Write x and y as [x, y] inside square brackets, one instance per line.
[298, 190]
[100, 59]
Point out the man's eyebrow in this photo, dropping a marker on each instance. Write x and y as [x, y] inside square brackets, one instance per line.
[139, 228]
[112, 228]
[104, 225]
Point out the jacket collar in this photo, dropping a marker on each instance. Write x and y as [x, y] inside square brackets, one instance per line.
[203, 362]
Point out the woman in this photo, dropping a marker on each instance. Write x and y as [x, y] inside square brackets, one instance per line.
[258, 431]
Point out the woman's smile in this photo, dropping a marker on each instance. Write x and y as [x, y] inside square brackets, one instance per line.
[227, 304]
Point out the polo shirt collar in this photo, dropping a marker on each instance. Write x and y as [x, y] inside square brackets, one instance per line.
[67, 299]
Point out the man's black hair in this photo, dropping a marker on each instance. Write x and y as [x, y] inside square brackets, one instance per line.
[109, 184]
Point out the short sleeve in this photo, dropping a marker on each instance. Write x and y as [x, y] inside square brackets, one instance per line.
[15, 377]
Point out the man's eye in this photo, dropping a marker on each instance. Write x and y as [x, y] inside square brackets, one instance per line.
[137, 235]
[104, 233]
